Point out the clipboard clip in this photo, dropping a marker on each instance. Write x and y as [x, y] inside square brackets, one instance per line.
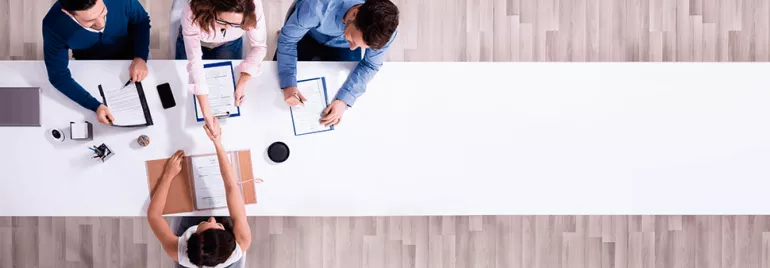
[223, 116]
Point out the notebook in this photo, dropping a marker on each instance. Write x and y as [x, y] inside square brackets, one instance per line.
[307, 118]
[221, 81]
[199, 185]
[127, 104]
[20, 107]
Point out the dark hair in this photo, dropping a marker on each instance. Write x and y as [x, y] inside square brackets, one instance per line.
[77, 5]
[211, 247]
[205, 12]
[377, 20]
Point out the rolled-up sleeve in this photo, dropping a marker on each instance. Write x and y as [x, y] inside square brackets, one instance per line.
[258, 41]
[307, 15]
[355, 85]
[192, 43]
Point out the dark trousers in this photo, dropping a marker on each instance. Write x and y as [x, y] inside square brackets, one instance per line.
[232, 50]
[308, 49]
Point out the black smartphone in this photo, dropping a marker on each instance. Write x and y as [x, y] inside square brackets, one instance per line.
[166, 97]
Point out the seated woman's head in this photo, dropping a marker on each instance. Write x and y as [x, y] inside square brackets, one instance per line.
[211, 244]
[224, 14]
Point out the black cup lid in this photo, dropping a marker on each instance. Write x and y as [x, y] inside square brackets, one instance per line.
[278, 152]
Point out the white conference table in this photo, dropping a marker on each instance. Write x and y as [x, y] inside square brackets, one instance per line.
[430, 139]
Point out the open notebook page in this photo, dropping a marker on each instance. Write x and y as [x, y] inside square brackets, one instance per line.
[307, 118]
[221, 91]
[125, 105]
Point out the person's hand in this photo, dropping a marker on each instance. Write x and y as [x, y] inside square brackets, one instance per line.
[290, 99]
[173, 165]
[332, 115]
[138, 70]
[240, 95]
[240, 88]
[212, 124]
[103, 115]
[214, 131]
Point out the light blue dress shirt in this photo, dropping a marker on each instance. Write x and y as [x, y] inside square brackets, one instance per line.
[322, 19]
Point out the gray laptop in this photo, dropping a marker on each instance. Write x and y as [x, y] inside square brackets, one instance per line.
[20, 106]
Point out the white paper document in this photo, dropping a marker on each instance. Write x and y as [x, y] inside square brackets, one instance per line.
[307, 119]
[208, 183]
[125, 105]
[221, 91]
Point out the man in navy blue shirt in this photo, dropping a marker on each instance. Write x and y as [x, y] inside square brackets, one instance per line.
[94, 30]
[336, 30]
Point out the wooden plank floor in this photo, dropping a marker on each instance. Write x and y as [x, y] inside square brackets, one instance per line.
[419, 242]
[502, 30]
[453, 30]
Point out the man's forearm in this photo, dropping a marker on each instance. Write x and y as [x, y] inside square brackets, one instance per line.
[355, 85]
[287, 61]
[142, 44]
[140, 29]
[77, 93]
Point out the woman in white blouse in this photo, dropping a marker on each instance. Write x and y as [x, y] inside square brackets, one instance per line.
[207, 242]
[214, 29]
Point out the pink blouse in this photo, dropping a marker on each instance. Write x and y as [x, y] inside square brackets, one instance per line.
[193, 35]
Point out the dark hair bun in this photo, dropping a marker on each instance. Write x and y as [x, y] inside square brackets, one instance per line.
[210, 247]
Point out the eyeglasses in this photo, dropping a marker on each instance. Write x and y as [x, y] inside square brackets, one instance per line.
[221, 22]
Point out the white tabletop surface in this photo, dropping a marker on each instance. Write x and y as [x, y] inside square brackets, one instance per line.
[430, 139]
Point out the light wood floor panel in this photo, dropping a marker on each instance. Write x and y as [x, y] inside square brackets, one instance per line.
[385, 242]
[502, 30]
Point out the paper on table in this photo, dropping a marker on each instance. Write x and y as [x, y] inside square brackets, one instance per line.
[125, 105]
[208, 183]
[221, 91]
[307, 119]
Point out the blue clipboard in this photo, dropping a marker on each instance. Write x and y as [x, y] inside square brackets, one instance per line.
[199, 118]
[326, 100]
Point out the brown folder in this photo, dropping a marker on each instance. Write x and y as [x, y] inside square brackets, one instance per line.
[180, 196]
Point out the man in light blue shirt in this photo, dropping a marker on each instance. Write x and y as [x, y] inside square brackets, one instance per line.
[336, 30]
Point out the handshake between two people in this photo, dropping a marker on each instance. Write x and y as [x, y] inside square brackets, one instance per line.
[174, 164]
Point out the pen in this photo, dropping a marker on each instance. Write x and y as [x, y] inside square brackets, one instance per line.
[129, 82]
[300, 100]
